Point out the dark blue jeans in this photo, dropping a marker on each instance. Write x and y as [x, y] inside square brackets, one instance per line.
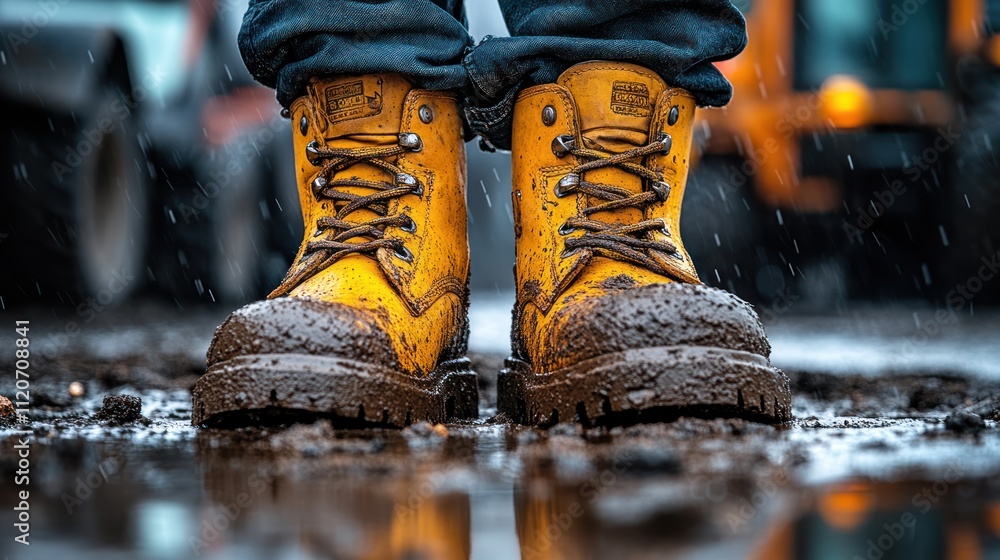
[285, 42]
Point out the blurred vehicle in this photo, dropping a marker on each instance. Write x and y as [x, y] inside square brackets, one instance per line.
[141, 152]
[858, 156]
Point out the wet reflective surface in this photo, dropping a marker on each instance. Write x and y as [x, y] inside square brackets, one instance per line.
[872, 467]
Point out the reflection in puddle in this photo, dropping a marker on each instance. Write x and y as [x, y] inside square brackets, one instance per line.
[693, 488]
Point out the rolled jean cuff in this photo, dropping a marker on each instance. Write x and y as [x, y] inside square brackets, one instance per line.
[285, 43]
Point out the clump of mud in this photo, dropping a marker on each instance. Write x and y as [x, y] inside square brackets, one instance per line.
[964, 422]
[8, 416]
[120, 409]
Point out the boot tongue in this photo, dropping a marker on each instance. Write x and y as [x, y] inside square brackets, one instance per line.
[370, 106]
[355, 112]
[615, 102]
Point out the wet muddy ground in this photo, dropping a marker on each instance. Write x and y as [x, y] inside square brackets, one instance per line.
[894, 453]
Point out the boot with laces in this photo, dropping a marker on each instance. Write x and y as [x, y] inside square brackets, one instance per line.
[370, 323]
[611, 324]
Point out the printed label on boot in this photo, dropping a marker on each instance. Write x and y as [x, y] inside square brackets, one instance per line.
[630, 98]
[349, 100]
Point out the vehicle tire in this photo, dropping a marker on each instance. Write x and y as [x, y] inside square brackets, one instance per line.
[213, 238]
[77, 209]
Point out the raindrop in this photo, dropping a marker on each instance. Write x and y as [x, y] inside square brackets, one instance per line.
[91, 55]
[927, 274]
[850, 161]
[781, 220]
[796, 244]
[967, 200]
[718, 243]
[944, 236]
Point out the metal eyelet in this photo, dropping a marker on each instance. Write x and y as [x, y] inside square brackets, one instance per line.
[663, 228]
[410, 182]
[549, 115]
[661, 189]
[566, 229]
[285, 113]
[318, 184]
[562, 144]
[568, 253]
[411, 141]
[672, 117]
[668, 142]
[312, 152]
[410, 226]
[403, 253]
[565, 184]
[426, 114]
[303, 125]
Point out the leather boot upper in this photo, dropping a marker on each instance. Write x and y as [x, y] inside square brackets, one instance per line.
[600, 161]
[382, 271]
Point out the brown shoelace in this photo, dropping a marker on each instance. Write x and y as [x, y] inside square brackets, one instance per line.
[340, 244]
[626, 242]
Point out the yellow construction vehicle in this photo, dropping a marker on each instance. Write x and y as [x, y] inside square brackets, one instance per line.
[859, 139]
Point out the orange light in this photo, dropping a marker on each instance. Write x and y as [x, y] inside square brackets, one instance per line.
[993, 518]
[846, 102]
[993, 50]
[844, 506]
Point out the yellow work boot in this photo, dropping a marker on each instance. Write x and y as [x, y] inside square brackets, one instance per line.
[370, 324]
[611, 323]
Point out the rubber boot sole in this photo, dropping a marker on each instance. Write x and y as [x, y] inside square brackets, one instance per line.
[275, 389]
[647, 385]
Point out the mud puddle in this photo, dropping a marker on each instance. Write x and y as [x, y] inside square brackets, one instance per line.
[864, 458]
[895, 466]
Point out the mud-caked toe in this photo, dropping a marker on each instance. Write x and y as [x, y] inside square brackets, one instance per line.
[658, 315]
[297, 325]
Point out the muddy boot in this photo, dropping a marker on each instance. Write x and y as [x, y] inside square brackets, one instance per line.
[611, 324]
[370, 324]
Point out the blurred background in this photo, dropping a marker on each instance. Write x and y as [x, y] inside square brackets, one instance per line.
[851, 190]
[856, 160]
